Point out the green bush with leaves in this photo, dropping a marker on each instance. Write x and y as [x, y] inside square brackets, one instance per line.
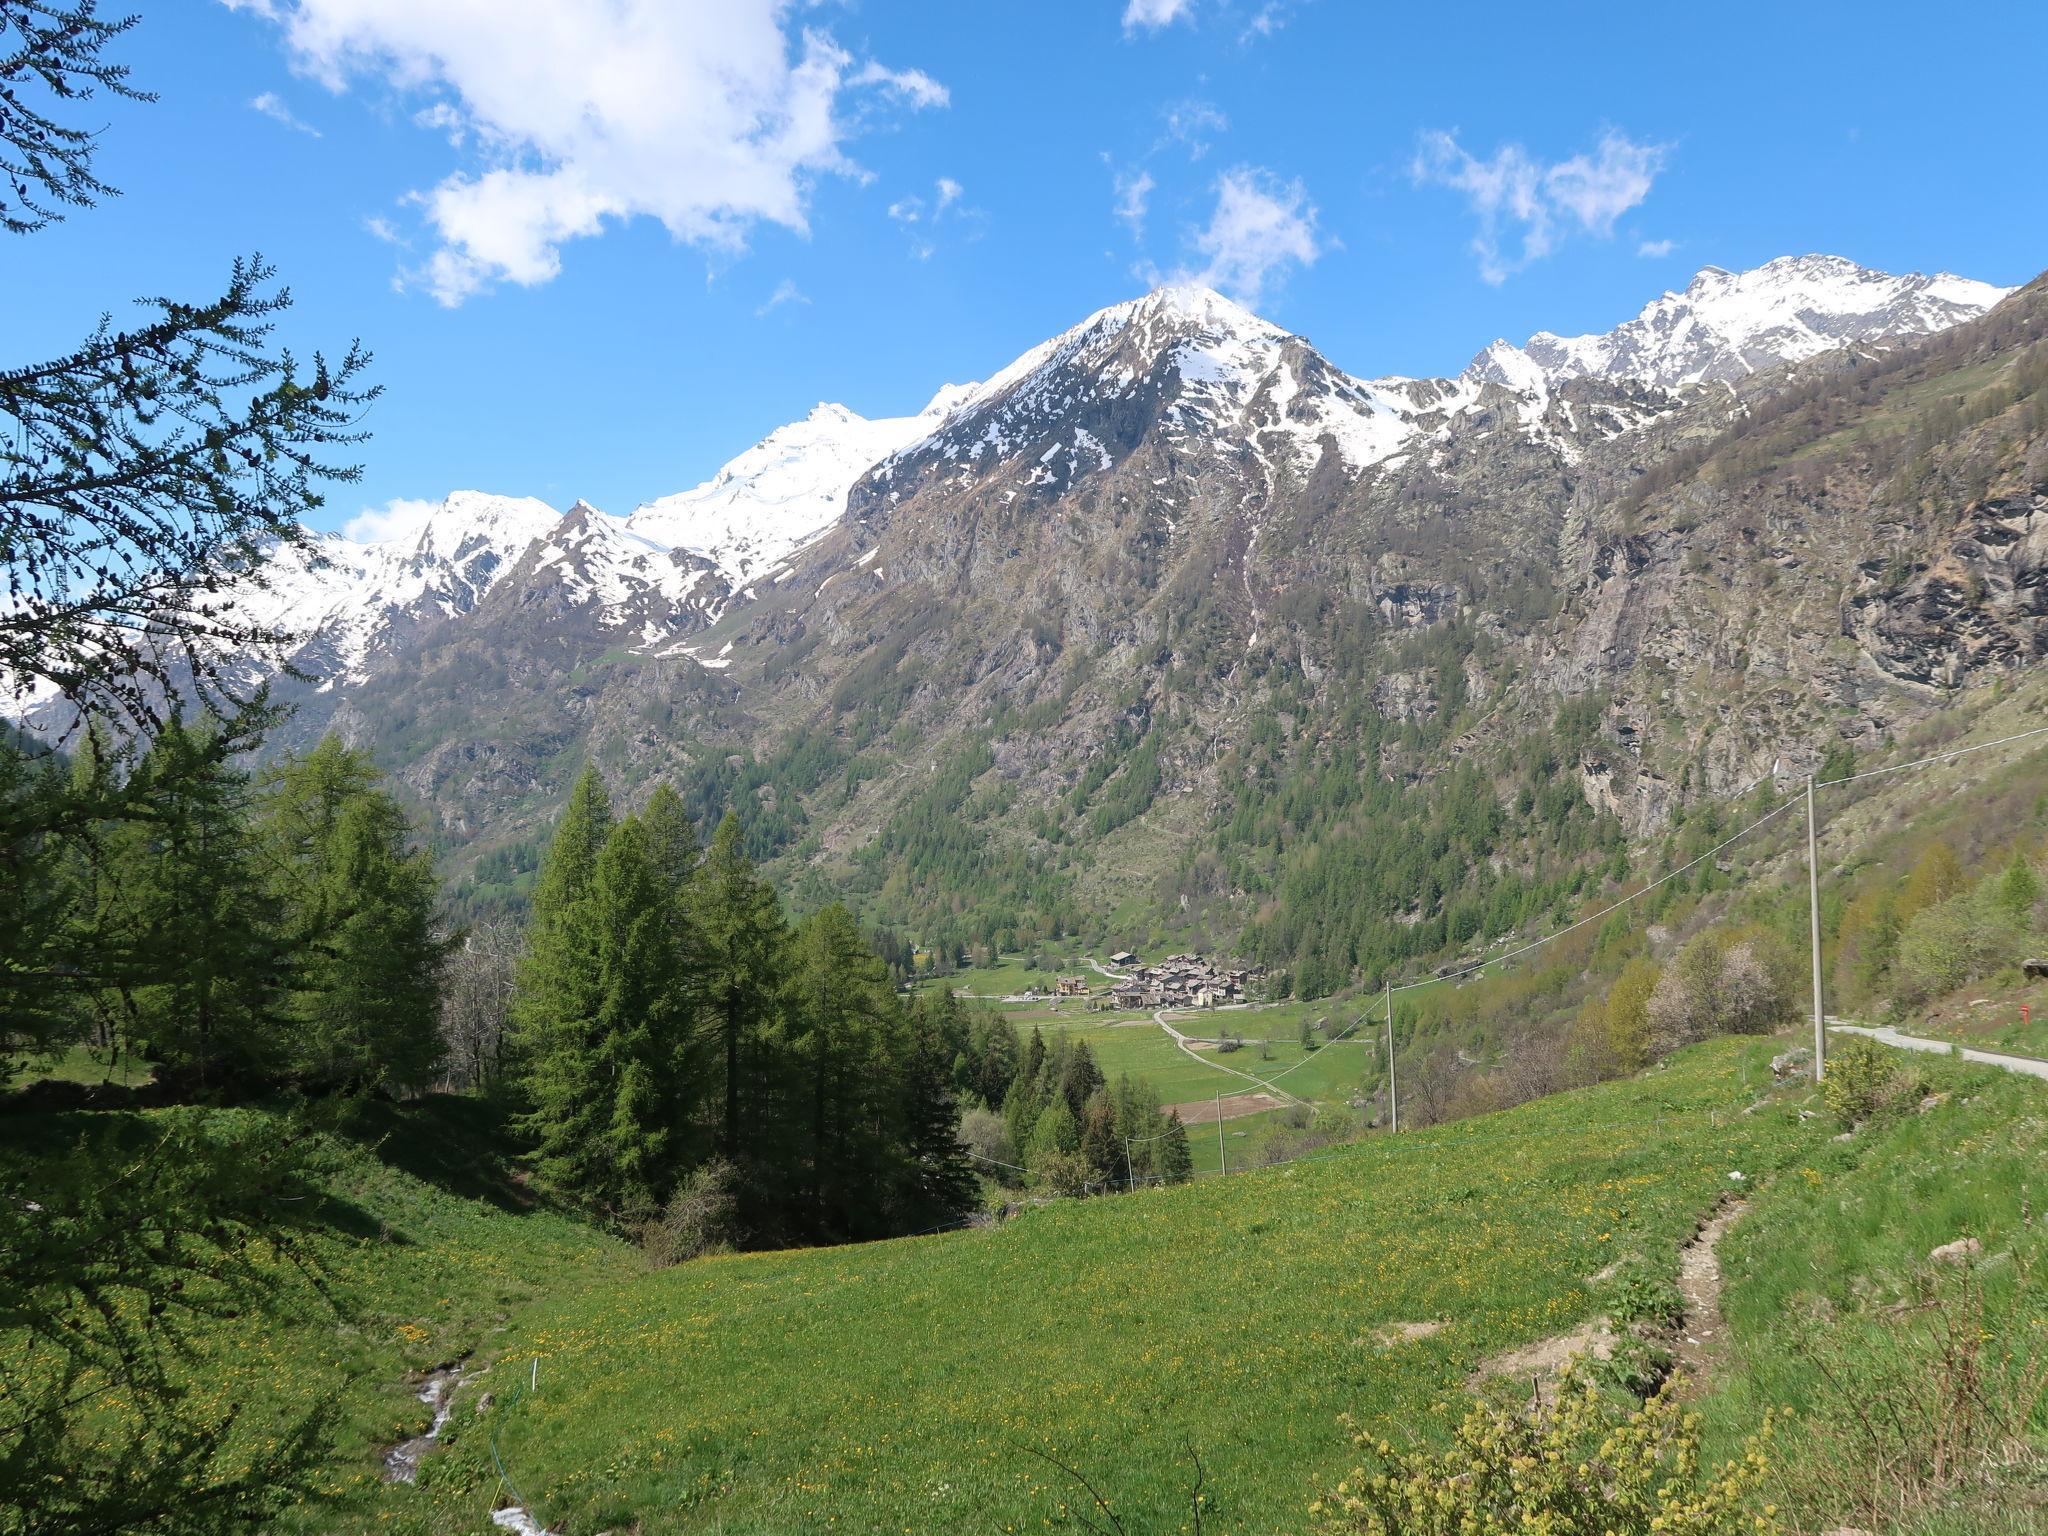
[1864, 1079]
[1578, 1465]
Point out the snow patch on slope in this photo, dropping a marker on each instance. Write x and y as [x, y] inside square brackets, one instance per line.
[785, 490]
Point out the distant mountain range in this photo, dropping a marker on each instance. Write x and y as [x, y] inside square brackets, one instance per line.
[1139, 622]
[671, 567]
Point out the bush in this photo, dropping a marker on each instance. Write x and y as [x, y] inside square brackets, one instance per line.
[1956, 942]
[702, 1216]
[1062, 1173]
[983, 1134]
[1865, 1079]
[1576, 1466]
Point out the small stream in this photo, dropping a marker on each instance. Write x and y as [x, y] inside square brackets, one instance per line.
[437, 1391]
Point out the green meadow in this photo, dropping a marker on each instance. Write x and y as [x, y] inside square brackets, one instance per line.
[921, 1385]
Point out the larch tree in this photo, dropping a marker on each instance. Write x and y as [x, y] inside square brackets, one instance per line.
[743, 956]
[356, 906]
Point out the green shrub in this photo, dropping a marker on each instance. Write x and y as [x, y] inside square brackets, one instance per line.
[1575, 1466]
[1865, 1079]
[1642, 1297]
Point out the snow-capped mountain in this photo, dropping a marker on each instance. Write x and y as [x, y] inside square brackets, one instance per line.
[1728, 325]
[1182, 370]
[785, 489]
[1208, 368]
[352, 599]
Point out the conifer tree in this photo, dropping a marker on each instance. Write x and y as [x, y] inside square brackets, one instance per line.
[358, 906]
[1079, 1077]
[2019, 888]
[743, 938]
[571, 862]
[1176, 1159]
[937, 1180]
[846, 1043]
[186, 925]
[602, 1043]
[1101, 1148]
[671, 837]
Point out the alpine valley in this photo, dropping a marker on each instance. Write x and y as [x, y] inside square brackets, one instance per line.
[1173, 628]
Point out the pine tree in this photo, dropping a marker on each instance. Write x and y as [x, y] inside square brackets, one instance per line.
[602, 1043]
[846, 1042]
[1176, 1161]
[186, 927]
[2019, 888]
[741, 926]
[936, 1182]
[671, 837]
[358, 909]
[1100, 1147]
[571, 861]
[1079, 1077]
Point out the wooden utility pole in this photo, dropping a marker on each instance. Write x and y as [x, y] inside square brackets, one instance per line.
[1393, 1092]
[1820, 1017]
[1222, 1154]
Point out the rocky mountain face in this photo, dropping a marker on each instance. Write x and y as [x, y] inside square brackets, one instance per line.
[1173, 617]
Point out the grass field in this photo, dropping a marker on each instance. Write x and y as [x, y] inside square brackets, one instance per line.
[906, 1386]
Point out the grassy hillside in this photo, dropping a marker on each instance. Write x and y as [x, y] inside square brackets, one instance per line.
[907, 1385]
[413, 1246]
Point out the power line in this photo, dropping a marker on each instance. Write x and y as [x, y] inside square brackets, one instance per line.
[1939, 757]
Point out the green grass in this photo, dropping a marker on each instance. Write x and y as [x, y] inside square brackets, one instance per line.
[75, 1064]
[906, 1385]
[1828, 1266]
[424, 1244]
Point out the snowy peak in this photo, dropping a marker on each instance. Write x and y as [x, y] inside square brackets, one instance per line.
[1727, 325]
[786, 489]
[1183, 359]
[412, 565]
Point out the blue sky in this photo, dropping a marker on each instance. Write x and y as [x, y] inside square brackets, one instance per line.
[599, 246]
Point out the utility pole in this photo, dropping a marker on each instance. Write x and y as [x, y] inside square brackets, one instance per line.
[1130, 1179]
[1820, 1018]
[1393, 1093]
[1222, 1154]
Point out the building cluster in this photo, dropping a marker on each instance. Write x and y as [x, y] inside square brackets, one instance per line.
[1184, 981]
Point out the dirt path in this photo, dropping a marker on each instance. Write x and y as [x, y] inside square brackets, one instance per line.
[1235, 1105]
[1190, 1046]
[1702, 1334]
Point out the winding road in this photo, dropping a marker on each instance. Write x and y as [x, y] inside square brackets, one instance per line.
[2032, 1066]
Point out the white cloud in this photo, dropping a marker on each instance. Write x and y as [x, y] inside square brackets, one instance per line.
[272, 106]
[1654, 248]
[1516, 195]
[582, 113]
[949, 192]
[1261, 226]
[398, 518]
[786, 292]
[385, 230]
[1597, 190]
[444, 119]
[907, 210]
[1133, 197]
[1154, 14]
[1189, 124]
[914, 86]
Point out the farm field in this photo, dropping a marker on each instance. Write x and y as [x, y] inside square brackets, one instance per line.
[872, 1388]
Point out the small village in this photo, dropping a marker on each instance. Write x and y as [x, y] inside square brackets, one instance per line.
[1178, 981]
